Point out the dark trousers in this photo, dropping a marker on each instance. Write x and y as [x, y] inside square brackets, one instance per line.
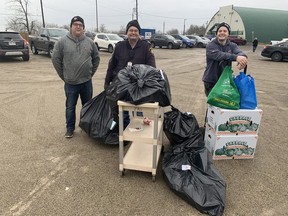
[72, 92]
[208, 87]
[254, 48]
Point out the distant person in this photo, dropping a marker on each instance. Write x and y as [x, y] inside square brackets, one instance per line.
[255, 43]
[132, 51]
[76, 59]
[219, 53]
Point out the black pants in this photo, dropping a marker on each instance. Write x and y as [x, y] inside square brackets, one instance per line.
[208, 87]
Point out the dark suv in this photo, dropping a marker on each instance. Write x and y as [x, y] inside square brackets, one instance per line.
[165, 40]
[186, 42]
[13, 45]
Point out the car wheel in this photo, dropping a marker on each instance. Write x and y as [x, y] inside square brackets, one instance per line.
[200, 45]
[184, 45]
[50, 51]
[34, 50]
[276, 56]
[110, 48]
[170, 45]
[152, 44]
[26, 58]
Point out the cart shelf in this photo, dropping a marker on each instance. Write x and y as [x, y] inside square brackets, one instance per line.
[147, 140]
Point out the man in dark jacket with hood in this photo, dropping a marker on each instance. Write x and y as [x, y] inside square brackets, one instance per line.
[219, 53]
[131, 51]
[76, 59]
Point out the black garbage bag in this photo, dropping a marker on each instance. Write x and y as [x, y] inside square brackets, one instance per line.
[140, 84]
[190, 173]
[96, 119]
[180, 127]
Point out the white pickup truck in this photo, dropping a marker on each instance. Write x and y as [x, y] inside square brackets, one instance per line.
[272, 42]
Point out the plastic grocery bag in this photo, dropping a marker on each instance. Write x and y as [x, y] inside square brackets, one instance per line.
[178, 126]
[225, 93]
[140, 84]
[96, 119]
[190, 173]
[246, 87]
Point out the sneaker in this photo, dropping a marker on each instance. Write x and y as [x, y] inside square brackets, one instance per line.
[69, 134]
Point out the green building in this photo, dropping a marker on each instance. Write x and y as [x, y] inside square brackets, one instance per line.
[265, 24]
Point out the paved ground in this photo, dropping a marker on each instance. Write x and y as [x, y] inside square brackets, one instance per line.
[42, 173]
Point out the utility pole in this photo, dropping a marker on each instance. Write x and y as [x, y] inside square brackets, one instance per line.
[96, 15]
[136, 9]
[42, 14]
[184, 27]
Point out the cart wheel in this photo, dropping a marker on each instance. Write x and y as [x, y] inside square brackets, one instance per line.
[153, 178]
[122, 173]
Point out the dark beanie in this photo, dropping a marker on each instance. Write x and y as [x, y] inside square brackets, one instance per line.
[75, 19]
[225, 25]
[133, 23]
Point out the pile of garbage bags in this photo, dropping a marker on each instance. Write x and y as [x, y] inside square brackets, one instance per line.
[137, 84]
[187, 165]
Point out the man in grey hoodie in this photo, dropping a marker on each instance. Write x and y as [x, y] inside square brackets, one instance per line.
[76, 59]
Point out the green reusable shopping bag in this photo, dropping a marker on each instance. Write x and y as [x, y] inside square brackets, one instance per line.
[225, 93]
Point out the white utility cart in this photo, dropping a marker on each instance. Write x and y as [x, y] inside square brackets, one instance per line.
[147, 140]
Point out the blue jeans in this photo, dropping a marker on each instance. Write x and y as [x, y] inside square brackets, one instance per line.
[72, 92]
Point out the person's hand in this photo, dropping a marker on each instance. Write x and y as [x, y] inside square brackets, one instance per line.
[241, 62]
[240, 67]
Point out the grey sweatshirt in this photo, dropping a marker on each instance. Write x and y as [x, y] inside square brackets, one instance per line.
[75, 60]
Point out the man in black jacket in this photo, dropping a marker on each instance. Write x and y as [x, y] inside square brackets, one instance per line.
[218, 53]
[132, 51]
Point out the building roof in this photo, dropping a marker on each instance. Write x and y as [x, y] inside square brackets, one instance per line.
[265, 24]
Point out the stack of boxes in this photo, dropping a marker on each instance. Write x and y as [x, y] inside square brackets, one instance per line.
[232, 134]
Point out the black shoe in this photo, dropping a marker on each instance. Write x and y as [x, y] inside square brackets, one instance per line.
[69, 133]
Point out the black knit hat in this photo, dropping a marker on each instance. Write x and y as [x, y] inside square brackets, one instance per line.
[75, 19]
[225, 25]
[133, 23]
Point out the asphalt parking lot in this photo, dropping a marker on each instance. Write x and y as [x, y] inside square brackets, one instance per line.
[42, 173]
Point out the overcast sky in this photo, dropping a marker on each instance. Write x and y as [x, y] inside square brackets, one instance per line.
[159, 14]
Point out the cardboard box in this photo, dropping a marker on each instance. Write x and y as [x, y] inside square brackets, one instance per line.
[234, 122]
[230, 146]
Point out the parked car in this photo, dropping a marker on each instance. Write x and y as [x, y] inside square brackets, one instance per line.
[165, 41]
[123, 36]
[272, 42]
[12, 44]
[277, 52]
[46, 39]
[89, 34]
[201, 42]
[238, 40]
[107, 41]
[186, 42]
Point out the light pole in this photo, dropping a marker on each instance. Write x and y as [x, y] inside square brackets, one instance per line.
[96, 15]
[42, 14]
[184, 27]
[136, 9]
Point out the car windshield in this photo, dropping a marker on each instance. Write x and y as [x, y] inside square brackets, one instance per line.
[170, 37]
[184, 37]
[114, 37]
[57, 32]
[9, 36]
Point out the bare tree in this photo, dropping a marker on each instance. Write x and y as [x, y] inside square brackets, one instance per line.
[173, 31]
[194, 29]
[103, 28]
[20, 21]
